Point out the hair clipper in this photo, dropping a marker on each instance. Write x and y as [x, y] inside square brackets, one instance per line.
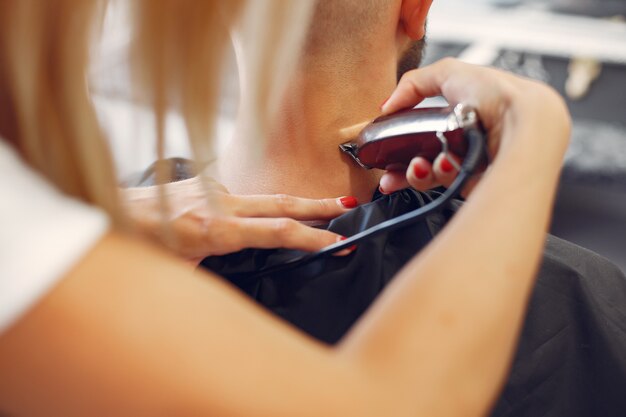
[391, 142]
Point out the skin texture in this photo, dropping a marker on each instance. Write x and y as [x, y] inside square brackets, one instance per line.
[131, 331]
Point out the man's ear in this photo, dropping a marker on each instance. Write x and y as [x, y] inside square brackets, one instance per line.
[413, 16]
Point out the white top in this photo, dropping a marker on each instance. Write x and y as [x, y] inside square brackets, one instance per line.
[42, 235]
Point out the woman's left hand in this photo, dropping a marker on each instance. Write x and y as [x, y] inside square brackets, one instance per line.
[203, 225]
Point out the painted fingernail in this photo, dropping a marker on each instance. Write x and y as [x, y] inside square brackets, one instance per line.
[446, 165]
[351, 248]
[420, 172]
[349, 202]
[380, 189]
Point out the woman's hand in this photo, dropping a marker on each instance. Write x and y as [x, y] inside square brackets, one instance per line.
[220, 223]
[507, 104]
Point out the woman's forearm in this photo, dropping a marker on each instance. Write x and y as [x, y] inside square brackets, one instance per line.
[446, 329]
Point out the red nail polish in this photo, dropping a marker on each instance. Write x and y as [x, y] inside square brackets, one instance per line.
[420, 172]
[349, 202]
[446, 166]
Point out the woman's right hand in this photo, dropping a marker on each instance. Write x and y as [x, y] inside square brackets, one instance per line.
[508, 106]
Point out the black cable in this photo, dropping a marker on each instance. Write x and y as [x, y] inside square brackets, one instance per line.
[476, 152]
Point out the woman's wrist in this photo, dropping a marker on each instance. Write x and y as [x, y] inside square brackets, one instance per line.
[537, 120]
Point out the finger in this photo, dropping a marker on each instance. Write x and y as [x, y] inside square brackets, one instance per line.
[392, 181]
[285, 233]
[420, 175]
[444, 169]
[419, 84]
[289, 206]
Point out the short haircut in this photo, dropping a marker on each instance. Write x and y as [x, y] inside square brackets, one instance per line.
[344, 25]
[345, 28]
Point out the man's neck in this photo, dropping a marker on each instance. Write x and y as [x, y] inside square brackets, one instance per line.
[303, 157]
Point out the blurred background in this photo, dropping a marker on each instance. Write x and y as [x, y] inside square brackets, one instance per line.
[577, 46]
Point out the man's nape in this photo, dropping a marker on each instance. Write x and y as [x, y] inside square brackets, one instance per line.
[350, 65]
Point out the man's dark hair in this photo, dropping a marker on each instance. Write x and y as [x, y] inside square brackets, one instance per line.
[412, 58]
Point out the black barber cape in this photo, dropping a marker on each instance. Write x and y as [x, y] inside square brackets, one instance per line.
[571, 358]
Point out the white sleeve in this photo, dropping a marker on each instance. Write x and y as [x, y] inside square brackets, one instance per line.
[43, 234]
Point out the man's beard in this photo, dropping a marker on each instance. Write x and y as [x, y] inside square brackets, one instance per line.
[412, 57]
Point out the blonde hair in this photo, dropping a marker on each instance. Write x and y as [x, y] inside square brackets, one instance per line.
[47, 113]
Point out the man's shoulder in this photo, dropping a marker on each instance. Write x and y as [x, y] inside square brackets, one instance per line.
[568, 266]
[567, 254]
